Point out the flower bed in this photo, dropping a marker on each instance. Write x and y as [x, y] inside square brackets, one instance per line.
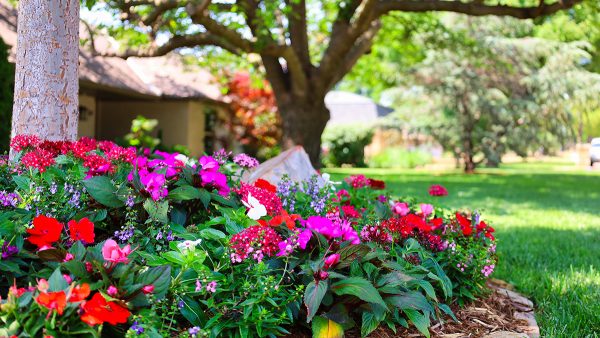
[102, 240]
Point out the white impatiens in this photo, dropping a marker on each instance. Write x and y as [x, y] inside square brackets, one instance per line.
[255, 210]
[188, 245]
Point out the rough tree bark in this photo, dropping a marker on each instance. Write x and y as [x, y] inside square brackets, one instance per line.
[46, 78]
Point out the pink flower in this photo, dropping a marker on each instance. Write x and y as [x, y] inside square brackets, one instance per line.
[198, 286]
[154, 184]
[331, 260]
[208, 163]
[112, 252]
[67, 278]
[401, 208]
[112, 291]
[148, 289]
[68, 257]
[212, 287]
[303, 238]
[426, 209]
[43, 285]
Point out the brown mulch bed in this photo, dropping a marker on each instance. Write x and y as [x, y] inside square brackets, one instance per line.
[492, 316]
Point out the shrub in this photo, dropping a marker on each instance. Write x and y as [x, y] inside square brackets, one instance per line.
[345, 145]
[96, 239]
[399, 158]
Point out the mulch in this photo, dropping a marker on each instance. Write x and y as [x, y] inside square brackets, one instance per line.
[502, 314]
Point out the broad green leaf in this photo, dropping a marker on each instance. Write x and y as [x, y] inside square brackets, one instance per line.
[157, 210]
[369, 323]
[57, 282]
[358, 287]
[212, 234]
[184, 193]
[192, 311]
[102, 189]
[420, 320]
[410, 300]
[326, 328]
[350, 253]
[313, 295]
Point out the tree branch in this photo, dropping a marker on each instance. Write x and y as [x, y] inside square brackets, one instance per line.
[299, 32]
[475, 8]
[175, 42]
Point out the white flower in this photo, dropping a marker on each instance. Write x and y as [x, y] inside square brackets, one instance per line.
[188, 245]
[186, 160]
[255, 209]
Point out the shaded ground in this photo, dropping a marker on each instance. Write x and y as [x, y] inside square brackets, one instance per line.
[548, 227]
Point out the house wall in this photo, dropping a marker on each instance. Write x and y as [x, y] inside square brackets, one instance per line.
[180, 122]
[87, 116]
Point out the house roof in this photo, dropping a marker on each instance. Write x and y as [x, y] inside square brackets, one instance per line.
[159, 77]
[350, 108]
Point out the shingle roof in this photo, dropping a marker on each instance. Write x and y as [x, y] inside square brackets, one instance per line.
[350, 108]
[159, 77]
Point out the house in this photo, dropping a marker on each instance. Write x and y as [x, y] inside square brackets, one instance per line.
[185, 99]
[350, 108]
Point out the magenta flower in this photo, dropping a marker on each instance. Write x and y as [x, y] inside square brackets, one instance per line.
[154, 184]
[208, 163]
[303, 238]
[331, 260]
[167, 161]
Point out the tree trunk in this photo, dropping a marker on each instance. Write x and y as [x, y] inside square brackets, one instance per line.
[303, 122]
[46, 80]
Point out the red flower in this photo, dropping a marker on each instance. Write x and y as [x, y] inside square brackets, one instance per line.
[264, 184]
[148, 289]
[45, 231]
[97, 311]
[438, 190]
[465, 224]
[80, 292]
[20, 142]
[350, 211]
[82, 230]
[39, 158]
[376, 184]
[289, 220]
[266, 197]
[53, 301]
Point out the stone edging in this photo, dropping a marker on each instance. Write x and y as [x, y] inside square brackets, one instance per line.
[523, 312]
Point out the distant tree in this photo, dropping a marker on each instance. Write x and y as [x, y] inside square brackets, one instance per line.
[498, 93]
[7, 76]
[306, 46]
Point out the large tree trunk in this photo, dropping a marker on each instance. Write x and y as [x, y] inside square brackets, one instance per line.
[303, 123]
[46, 79]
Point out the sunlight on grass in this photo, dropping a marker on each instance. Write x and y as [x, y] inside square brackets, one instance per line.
[547, 217]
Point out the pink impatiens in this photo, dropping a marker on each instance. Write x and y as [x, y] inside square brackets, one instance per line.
[112, 252]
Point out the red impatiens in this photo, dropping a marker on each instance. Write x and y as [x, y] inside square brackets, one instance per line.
[98, 311]
[45, 232]
[79, 293]
[82, 231]
[53, 301]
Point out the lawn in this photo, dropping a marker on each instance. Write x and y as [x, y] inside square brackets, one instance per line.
[548, 227]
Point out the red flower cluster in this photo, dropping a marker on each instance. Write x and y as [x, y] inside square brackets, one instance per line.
[46, 231]
[53, 301]
[467, 228]
[357, 181]
[376, 233]
[414, 226]
[41, 154]
[264, 195]
[350, 212]
[257, 241]
[438, 190]
[376, 184]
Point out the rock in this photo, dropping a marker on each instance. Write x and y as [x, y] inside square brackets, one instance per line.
[293, 162]
[505, 334]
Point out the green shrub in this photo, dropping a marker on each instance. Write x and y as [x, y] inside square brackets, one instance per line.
[399, 158]
[346, 145]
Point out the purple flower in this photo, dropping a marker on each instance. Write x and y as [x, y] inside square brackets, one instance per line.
[170, 236]
[193, 331]
[8, 250]
[221, 156]
[130, 202]
[245, 161]
[9, 199]
[137, 328]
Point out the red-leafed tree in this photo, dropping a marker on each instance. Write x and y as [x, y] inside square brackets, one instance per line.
[255, 121]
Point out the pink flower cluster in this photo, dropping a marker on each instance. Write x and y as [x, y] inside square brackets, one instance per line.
[376, 233]
[264, 195]
[438, 190]
[332, 227]
[298, 239]
[256, 242]
[357, 181]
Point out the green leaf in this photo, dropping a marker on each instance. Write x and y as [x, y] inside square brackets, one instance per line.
[184, 193]
[191, 311]
[369, 323]
[77, 250]
[420, 320]
[313, 296]
[76, 267]
[446, 309]
[426, 286]
[350, 253]
[57, 282]
[174, 257]
[159, 276]
[410, 300]
[205, 197]
[326, 328]
[212, 234]
[8, 266]
[359, 287]
[22, 182]
[157, 210]
[102, 189]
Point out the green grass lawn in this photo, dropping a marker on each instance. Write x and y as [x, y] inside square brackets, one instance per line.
[547, 223]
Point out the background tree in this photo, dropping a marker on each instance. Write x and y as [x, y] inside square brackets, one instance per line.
[306, 46]
[46, 100]
[497, 93]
